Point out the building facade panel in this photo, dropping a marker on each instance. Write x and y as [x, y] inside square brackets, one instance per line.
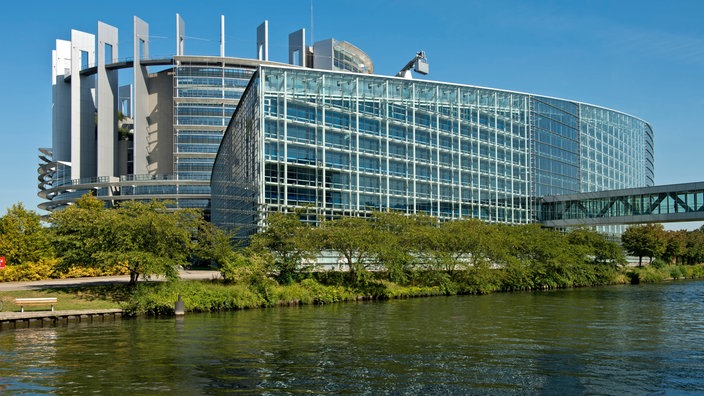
[345, 144]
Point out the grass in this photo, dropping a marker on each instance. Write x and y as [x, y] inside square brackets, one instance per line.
[69, 298]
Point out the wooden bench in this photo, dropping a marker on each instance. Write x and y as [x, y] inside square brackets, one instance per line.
[35, 301]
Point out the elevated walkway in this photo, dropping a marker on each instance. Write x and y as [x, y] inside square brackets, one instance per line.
[657, 204]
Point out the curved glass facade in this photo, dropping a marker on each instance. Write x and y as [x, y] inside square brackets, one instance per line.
[346, 144]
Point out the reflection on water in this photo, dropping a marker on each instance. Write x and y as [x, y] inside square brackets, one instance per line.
[613, 340]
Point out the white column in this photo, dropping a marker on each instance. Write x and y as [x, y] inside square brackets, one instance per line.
[83, 144]
[222, 36]
[106, 93]
[263, 41]
[61, 102]
[141, 97]
[180, 35]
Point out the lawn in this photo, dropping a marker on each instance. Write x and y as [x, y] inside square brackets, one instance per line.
[69, 298]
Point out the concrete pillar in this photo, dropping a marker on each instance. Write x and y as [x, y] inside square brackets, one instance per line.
[61, 102]
[222, 36]
[180, 35]
[83, 142]
[297, 46]
[107, 95]
[141, 97]
[263, 41]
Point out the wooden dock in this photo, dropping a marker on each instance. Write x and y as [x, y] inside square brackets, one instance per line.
[13, 320]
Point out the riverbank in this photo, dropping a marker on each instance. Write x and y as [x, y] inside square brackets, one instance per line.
[327, 288]
[82, 294]
[206, 291]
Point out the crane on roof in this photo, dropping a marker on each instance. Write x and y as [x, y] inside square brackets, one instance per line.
[419, 64]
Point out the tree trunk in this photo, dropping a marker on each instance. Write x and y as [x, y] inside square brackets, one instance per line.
[134, 276]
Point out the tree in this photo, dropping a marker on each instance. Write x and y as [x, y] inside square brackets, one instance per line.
[396, 244]
[646, 240]
[214, 245]
[695, 246]
[23, 239]
[675, 247]
[594, 247]
[77, 232]
[354, 239]
[144, 238]
[290, 243]
[469, 239]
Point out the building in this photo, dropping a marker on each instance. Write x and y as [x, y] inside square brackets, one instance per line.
[341, 143]
[321, 133]
[156, 136]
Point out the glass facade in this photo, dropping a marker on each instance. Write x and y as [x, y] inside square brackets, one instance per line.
[616, 150]
[194, 99]
[205, 97]
[555, 130]
[347, 144]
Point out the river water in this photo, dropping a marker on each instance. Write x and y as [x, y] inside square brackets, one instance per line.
[646, 339]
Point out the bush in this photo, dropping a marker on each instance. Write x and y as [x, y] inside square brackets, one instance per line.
[28, 271]
[658, 264]
[647, 275]
[393, 290]
[290, 295]
[677, 271]
[82, 272]
[198, 296]
[238, 268]
[321, 294]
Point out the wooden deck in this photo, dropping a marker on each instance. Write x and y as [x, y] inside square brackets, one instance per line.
[12, 320]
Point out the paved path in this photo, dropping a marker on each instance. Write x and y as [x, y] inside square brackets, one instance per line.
[98, 280]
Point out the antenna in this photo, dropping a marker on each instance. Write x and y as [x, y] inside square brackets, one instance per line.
[311, 22]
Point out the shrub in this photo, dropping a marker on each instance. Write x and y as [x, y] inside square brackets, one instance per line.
[198, 296]
[658, 263]
[647, 275]
[677, 271]
[28, 271]
[321, 294]
[238, 268]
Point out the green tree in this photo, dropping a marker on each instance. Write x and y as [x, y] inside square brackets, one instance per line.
[675, 247]
[396, 243]
[646, 240]
[214, 245]
[289, 242]
[23, 239]
[145, 238]
[695, 246]
[77, 232]
[594, 247]
[355, 240]
[469, 240]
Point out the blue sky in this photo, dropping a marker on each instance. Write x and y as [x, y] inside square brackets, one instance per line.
[644, 58]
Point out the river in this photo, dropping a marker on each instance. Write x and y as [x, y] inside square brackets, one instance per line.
[610, 340]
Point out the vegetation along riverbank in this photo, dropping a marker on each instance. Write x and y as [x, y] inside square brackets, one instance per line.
[387, 255]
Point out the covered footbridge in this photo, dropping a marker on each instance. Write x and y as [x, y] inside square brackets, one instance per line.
[657, 204]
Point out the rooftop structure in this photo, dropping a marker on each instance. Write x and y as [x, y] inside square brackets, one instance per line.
[155, 137]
